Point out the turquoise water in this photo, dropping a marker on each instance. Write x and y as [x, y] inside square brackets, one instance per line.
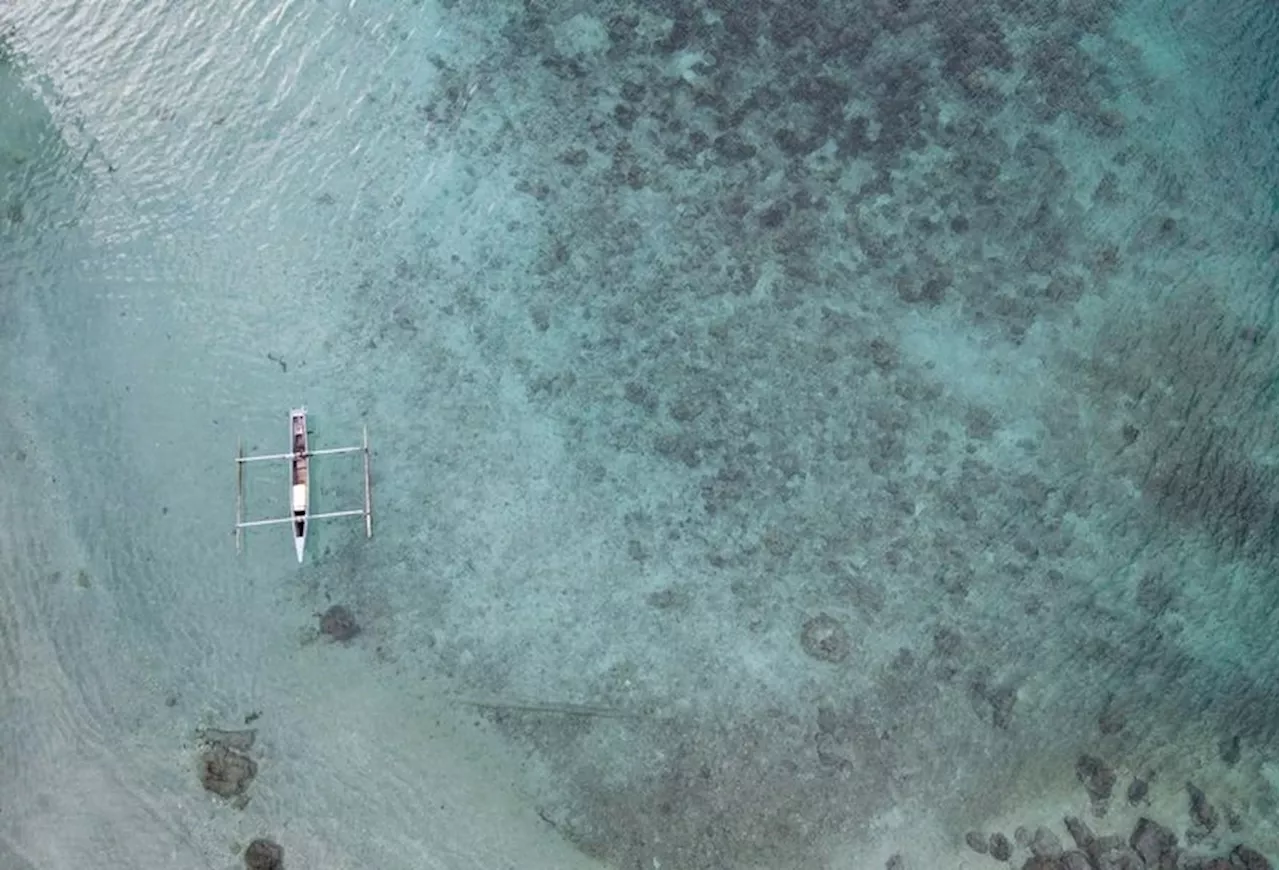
[800, 433]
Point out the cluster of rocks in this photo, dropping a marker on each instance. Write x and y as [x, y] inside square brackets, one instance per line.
[226, 768]
[1099, 780]
[1150, 846]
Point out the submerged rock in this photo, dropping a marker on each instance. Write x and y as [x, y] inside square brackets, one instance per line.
[225, 772]
[1099, 780]
[1045, 844]
[264, 855]
[1203, 816]
[339, 623]
[1122, 859]
[1079, 832]
[1074, 860]
[1247, 859]
[1137, 792]
[1153, 842]
[1041, 862]
[225, 767]
[1229, 750]
[825, 639]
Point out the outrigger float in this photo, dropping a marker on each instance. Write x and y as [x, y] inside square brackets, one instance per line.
[299, 459]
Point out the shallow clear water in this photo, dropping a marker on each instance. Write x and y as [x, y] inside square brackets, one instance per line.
[801, 434]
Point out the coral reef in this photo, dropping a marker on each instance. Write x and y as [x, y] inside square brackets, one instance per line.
[907, 408]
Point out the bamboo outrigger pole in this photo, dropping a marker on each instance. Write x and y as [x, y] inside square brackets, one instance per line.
[239, 491]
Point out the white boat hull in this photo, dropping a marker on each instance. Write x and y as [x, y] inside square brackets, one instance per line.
[299, 479]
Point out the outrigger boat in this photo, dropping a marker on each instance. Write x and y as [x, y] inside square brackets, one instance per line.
[299, 458]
